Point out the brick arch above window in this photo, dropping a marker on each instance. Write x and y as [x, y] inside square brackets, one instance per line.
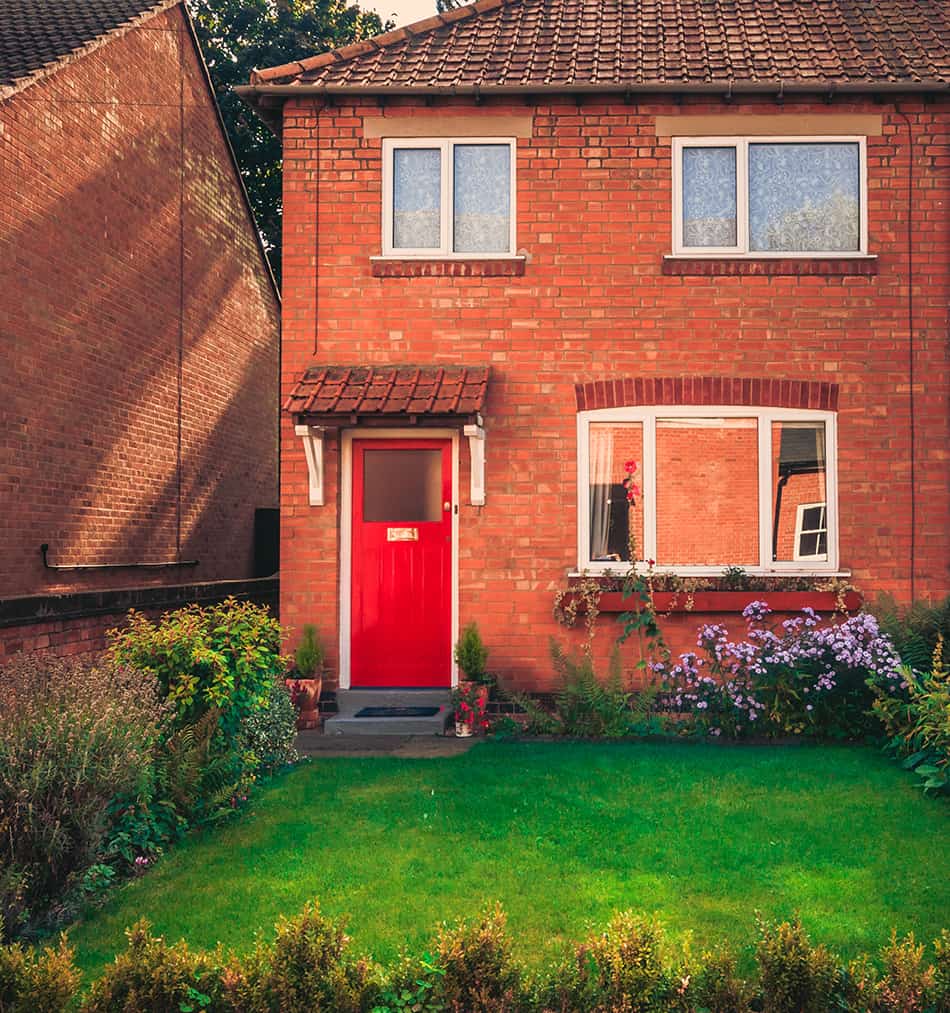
[628, 391]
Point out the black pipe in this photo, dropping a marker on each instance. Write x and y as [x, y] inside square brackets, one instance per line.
[44, 549]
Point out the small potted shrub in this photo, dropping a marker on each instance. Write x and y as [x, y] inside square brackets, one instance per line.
[306, 683]
[468, 710]
[470, 656]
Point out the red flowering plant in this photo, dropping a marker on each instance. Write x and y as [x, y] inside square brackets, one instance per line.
[640, 618]
[469, 707]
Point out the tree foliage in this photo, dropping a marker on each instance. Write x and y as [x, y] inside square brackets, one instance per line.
[238, 36]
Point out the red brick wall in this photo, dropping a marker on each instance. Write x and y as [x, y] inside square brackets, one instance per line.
[125, 239]
[594, 212]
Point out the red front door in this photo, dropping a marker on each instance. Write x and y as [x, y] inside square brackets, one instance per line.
[401, 577]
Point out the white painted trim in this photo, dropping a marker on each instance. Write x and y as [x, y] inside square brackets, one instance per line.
[476, 447]
[447, 163]
[346, 531]
[313, 450]
[648, 416]
[741, 249]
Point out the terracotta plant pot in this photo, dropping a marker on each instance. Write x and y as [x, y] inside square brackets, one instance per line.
[306, 696]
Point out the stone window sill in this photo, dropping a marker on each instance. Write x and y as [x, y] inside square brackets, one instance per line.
[448, 267]
[790, 266]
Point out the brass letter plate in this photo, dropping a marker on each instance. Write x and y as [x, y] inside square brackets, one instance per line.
[402, 534]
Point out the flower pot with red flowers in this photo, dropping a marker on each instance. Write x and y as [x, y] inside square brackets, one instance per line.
[470, 656]
[306, 681]
[468, 711]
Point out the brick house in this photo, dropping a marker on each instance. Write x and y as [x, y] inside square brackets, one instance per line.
[527, 241]
[139, 324]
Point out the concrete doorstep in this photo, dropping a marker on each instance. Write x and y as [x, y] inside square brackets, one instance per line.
[314, 743]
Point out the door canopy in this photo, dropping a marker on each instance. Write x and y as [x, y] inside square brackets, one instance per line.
[336, 397]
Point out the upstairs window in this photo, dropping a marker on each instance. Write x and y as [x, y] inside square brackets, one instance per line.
[724, 486]
[449, 198]
[762, 197]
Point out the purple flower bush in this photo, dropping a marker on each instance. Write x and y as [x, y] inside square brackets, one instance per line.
[793, 677]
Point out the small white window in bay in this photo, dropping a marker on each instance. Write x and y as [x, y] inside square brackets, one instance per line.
[717, 487]
[766, 197]
[811, 531]
[449, 198]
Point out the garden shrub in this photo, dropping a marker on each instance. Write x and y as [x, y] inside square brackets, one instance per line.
[32, 982]
[223, 657]
[73, 737]
[477, 971]
[794, 677]
[796, 977]
[587, 706]
[270, 732]
[916, 720]
[153, 977]
[914, 629]
[305, 970]
[716, 986]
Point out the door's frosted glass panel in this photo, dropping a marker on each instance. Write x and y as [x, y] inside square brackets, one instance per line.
[709, 197]
[804, 197]
[402, 485]
[799, 492]
[707, 492]
[612, 517]
[417, 198]
[482, 196]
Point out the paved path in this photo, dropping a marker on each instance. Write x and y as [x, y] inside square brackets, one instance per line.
[315, 743]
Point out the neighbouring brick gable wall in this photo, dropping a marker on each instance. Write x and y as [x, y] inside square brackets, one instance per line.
[125, 238]
[594, 304]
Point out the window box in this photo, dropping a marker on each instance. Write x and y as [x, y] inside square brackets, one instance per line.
[823, 602]
[449, 198]
[765, 197]
[720, 487]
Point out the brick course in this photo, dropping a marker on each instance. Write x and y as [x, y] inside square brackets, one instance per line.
[134, 294]
[595, 303]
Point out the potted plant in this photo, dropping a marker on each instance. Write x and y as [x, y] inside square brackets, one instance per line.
[470, 656]
[306, 683]
[468, 710]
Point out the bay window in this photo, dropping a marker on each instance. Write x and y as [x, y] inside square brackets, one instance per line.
[718, 487]
[769, 196]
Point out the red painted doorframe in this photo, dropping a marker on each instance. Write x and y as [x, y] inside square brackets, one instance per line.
[401, 563]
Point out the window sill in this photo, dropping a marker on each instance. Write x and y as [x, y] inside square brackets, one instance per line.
[732, 601]
[447, 267]
[720, 266]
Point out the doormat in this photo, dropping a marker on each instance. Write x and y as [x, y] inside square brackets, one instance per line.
[397, 712]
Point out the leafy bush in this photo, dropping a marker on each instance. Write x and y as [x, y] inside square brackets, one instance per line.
[270, 732]
[471, 654]
[586, 705]
[477, 971]
[716, 986]
[914, 629]
[796, 677]
[223, 657]
[306, 970]
[309, 654]
[917, 721]
[32, 982]
[153, 977]
[73, 738]
[796, 976]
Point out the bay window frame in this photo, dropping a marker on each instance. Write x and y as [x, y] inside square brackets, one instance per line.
[741, 249]
[446, 146]
[646, 479]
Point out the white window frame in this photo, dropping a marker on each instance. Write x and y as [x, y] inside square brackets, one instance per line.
[741, 249]
[646, 479]
[444, 252]
[800, 530]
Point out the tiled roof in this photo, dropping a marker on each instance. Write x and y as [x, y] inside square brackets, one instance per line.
[389, 390]
[37, 34]
[635, 43]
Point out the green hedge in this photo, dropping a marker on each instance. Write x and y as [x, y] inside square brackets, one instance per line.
[630, 967]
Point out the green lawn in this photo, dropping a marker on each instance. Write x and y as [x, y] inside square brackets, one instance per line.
[563, 835]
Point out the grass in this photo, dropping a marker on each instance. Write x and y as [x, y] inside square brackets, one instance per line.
[563, 835]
